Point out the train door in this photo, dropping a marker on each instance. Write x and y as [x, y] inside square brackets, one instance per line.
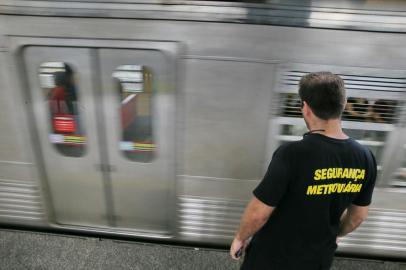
[139, 113]
[67, 132]
[105, 119]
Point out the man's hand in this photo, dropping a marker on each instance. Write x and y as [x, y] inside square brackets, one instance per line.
[255, 215]
[236, 246]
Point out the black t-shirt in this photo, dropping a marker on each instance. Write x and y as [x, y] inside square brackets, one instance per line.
[310, 182]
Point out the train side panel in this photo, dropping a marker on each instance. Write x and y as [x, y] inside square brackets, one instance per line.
[21, 196]
[235, 79]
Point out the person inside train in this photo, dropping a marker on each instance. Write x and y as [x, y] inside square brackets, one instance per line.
[383, 111]
[356, 109]
[71, 95]
[63, 103]
[58, 97]
[315, 190]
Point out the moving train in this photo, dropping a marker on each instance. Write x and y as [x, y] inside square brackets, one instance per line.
[156, 119]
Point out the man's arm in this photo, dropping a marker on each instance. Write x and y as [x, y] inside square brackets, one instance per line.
[255, 215]
[353, 217]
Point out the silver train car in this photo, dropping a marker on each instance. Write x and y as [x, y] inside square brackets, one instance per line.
[156, 119]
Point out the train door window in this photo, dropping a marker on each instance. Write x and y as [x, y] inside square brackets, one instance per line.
[60, 93]
[134, 87]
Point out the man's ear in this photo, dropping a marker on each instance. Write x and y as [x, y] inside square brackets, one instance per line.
[305, 108]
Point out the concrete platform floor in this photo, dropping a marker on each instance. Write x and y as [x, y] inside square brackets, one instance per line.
[39, 251]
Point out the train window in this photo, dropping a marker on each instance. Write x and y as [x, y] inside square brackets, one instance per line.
[57, 80]
[373, 109]
[134, 87]
[362, 110]
[357, 109]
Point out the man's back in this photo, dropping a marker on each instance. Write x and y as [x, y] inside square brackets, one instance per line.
[297, 211]
[310, 182]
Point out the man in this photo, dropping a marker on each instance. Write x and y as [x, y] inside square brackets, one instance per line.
[298, 209]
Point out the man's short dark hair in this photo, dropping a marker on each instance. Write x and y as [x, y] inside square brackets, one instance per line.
[324, 92]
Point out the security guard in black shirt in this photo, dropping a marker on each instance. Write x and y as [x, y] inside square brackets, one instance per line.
[315, 190]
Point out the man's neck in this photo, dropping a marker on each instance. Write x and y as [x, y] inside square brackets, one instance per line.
[330, 128]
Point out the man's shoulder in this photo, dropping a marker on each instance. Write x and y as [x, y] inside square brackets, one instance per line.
[293, 145]
[290, 148]
[360, 148]
[287, 146]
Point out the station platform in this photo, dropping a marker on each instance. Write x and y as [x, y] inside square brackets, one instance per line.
[44, 251]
